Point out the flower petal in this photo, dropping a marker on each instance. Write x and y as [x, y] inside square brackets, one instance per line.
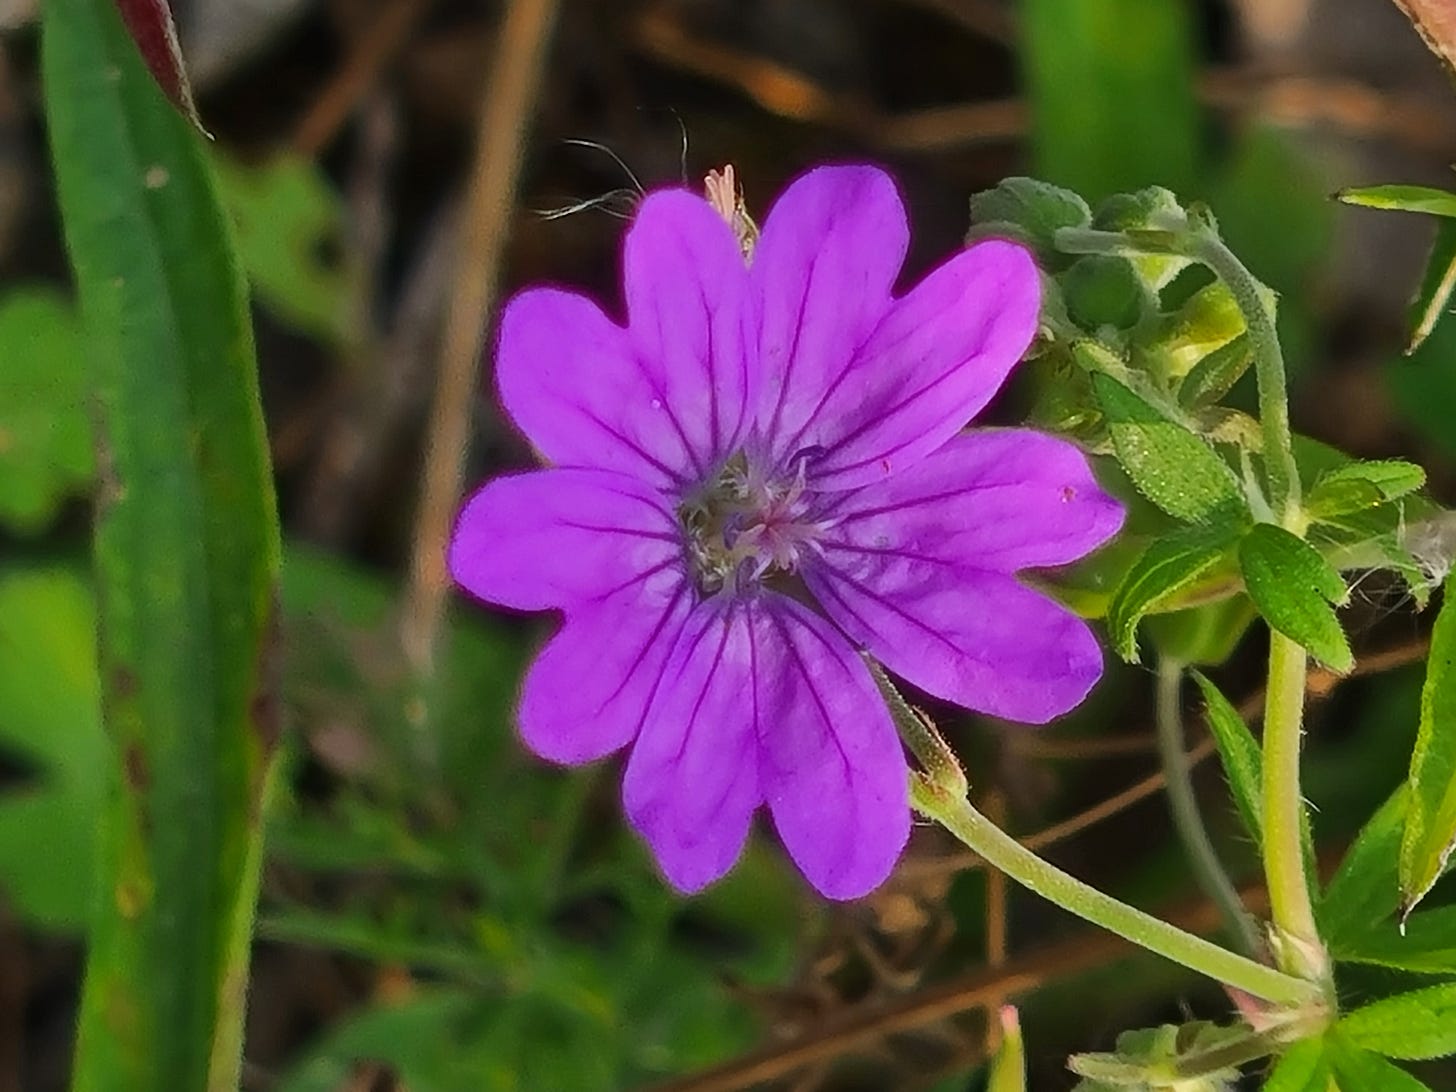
[931, 365]
[832, 767]
[978, 639]
[569, 378]
[823, 269]
[561, 538]
[692, 785]
[587, 691]
[686, 287]
[999, 500]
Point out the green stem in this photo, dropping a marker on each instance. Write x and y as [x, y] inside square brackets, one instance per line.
[1283, 811]
[1002, 851]
[1279, 463]
[1188, 820]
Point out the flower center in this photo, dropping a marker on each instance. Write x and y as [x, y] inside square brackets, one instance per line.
[744, 526]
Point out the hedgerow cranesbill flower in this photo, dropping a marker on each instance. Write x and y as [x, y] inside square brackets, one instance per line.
[761, 474]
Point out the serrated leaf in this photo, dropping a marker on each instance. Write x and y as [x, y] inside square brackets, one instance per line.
[1035, 209]
[1433, 296]
[1358, 1070]
[45, 432]
[1170, 465]
[1430, 822]
[1365, 891]
[1303, 1068]
[1238, 750]
[1424, 944]
[1293, 585]
[1360, 485]
[1410, 1026]
[1216, 373]
[1170, 566]
[1400, 198]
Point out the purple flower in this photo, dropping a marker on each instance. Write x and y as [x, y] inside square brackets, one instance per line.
[760, 475]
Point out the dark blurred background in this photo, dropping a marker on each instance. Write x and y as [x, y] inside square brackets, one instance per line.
[440, 912]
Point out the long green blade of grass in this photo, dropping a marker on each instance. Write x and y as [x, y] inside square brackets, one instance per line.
[186, 555]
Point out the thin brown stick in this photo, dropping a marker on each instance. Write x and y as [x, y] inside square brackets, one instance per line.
[511, 87]
[375, 49]
[863, 1026]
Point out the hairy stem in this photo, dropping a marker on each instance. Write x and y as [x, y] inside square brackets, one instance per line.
[1284, 490]
[1283, 811]
[1188, 820]
[1002, 851]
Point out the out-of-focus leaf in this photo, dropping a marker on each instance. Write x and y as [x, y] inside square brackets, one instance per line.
[1170, 566]
[1433, 296]
[1430, 822]
[1423, 387]
[1357, 1069]
[1170, 465]
[1411, 1026]
[1425, 199]
[289, 225]
[1112, 98]
[1205, 634]
[1293, 585]
[1360, 485]
[1239, 752]
[1365, 891]
[45, 433]
[1425, 943]
[50, 717]
[186, 559]
[1303, 1068]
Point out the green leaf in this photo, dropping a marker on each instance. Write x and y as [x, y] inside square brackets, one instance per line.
[1358, 1070]
[1425, 943]
[1293, 585]
[1033, 208]
[47, 632]
[289, 221]
[1425, 199]
[45, 434]
[1430, 822]
[1410, 1026]
[1239, 752]
[1303, 1068]
[1433, 296]
[1170, 465]
[1112, 96]
[186, 559]
[1364, 891]
[1206, 634]
[1360, 485]
[1216, 373]
[1168, 568]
